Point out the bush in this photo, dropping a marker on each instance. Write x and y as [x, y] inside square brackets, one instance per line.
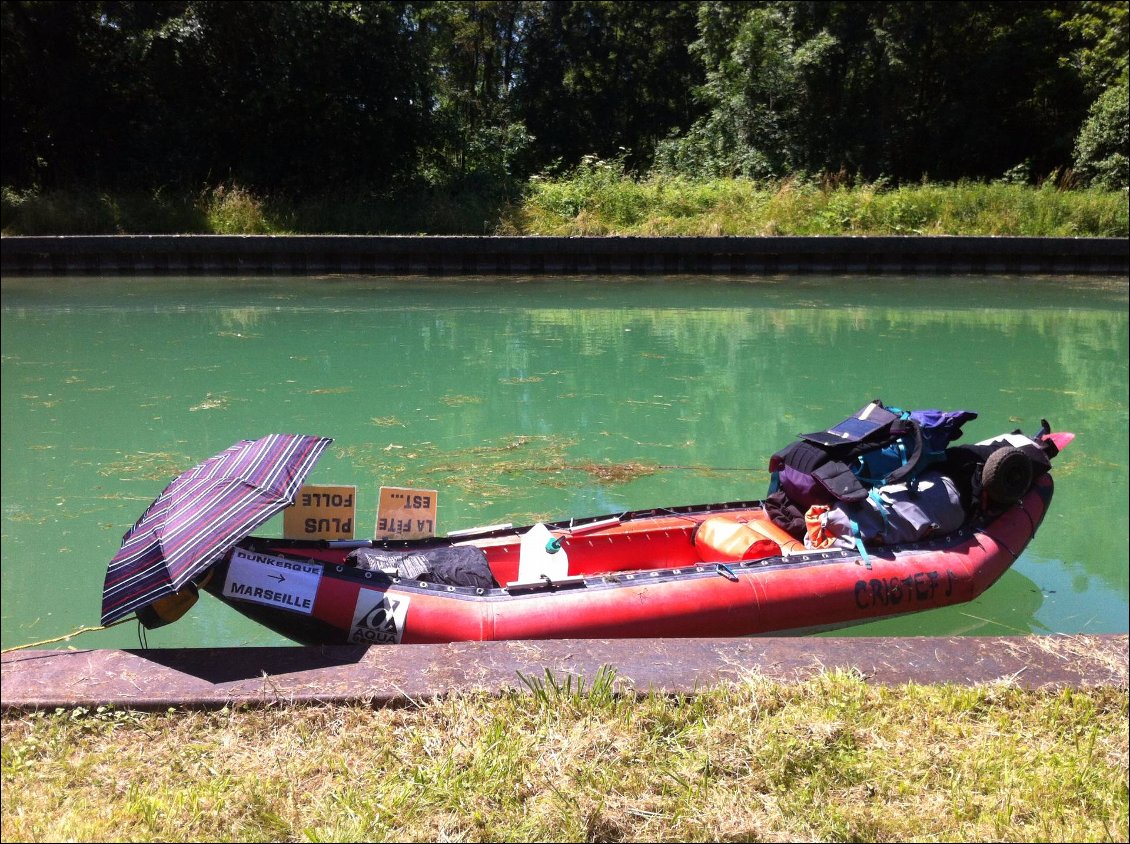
[75, 212]
[1102, 146]
[233, 210]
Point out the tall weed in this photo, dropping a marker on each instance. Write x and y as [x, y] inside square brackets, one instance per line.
[233, 210]
[599, 199]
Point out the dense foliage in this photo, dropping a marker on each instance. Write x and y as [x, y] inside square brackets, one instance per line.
[1100, 150]
[304, 98]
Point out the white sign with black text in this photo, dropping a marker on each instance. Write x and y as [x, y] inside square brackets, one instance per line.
[275, 581]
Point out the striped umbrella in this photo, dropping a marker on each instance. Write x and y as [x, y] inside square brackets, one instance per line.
[202, 514]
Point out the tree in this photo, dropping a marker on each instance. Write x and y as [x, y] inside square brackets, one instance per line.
[1102, 38]
[65, 99]
[754, 89]
[311, 96]
[909, 90]
[477, 50]
[293, 95]
[1103, 142]
[607, 78]
[281, 96]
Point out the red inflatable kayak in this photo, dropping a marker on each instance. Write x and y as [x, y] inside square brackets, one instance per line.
[710, 570]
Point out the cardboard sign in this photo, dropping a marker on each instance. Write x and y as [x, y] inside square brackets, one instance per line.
[274, 581]
[321, 512]
[406, 513]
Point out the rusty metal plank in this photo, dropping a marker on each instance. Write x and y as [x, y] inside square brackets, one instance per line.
[216, 677]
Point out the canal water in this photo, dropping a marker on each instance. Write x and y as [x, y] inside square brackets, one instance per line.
[528, 399]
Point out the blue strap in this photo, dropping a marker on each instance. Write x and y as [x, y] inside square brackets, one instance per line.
[880, 505]
[859, 544]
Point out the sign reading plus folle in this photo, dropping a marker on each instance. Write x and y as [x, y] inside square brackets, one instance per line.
[321, 512]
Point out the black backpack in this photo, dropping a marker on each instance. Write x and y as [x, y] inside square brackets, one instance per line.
[874, 447]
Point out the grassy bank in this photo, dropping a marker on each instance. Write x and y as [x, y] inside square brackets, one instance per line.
[831, 759]
[593, 203]
[234, 210]
[596, 199]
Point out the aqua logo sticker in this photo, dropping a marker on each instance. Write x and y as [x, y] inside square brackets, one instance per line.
[378, 618]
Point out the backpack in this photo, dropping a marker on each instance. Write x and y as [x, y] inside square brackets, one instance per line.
[894, 514]
[456, 565]
[877, 446]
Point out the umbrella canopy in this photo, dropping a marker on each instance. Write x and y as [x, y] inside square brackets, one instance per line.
[202, 514]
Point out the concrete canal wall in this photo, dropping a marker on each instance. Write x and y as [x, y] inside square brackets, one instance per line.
[401, 674]
[428, 255]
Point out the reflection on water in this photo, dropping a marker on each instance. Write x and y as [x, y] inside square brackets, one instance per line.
[508, 395]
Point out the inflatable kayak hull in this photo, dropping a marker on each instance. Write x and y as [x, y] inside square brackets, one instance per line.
[633, 575]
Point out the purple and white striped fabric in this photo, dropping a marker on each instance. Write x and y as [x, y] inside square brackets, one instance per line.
[202, 514]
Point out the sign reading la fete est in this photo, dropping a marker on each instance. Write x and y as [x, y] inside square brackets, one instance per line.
[321, 512]
[404, 513]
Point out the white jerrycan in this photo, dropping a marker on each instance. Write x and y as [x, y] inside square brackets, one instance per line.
[536, 559]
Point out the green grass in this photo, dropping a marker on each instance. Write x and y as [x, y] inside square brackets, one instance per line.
[610, 203]
[596, 199]
[831, 759]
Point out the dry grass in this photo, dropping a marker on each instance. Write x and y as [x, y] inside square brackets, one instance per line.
[830, 759]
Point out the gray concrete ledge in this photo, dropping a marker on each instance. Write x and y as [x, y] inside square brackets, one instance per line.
[412, 255]
[394, 675]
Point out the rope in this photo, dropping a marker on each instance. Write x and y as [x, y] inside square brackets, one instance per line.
[70, 635]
